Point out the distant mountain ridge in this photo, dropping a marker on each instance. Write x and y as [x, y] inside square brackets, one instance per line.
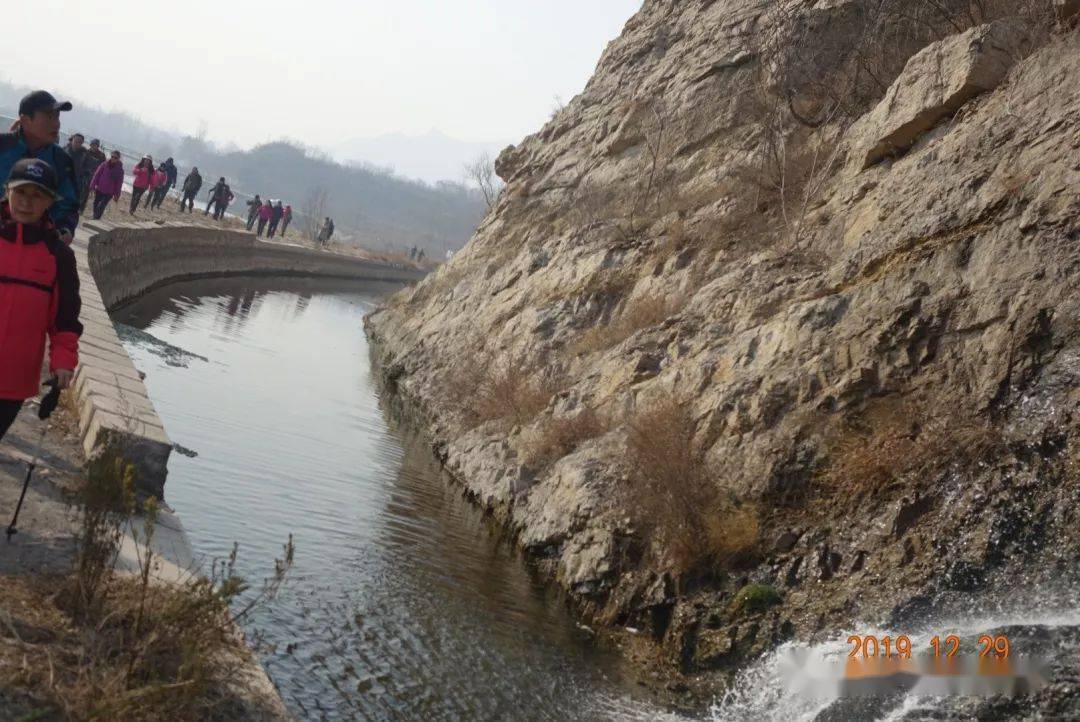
[431, 157]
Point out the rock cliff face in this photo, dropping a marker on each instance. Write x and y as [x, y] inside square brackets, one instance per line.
[838, 242]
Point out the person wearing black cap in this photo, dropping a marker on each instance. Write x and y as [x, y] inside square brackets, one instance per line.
[36, 137]
[39, 289]
[95, 156]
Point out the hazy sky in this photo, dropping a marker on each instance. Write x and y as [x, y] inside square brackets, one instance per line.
[320, 71]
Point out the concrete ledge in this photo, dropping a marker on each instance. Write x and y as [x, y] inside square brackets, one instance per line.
[128, 261]
[118, 263]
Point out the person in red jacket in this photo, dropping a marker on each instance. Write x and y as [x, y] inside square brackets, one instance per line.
[286, 217]
[39, 290]
[142, 177]
[159, 186]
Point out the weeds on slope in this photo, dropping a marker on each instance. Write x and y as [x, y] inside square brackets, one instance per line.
[675, 496]
[97, 644]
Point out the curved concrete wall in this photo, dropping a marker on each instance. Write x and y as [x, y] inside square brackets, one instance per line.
[118, 263]
[129, 260]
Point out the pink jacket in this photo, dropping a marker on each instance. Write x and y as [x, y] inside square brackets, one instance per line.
[143, 176]
[264, 212]
[160, 178]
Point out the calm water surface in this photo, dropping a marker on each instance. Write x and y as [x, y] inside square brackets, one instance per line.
[404, 602]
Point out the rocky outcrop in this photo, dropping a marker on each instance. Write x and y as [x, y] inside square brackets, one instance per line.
[936, 83]
[880, 359]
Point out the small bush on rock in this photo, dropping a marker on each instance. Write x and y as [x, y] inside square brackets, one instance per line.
[754, 598]
[558, 436]
[676, 500]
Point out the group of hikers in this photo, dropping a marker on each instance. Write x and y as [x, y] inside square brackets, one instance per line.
[268, 214]
[46, 190]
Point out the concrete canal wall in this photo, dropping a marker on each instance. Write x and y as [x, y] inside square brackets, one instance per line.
[118, 263]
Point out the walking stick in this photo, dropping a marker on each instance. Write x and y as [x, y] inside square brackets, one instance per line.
[48, 404]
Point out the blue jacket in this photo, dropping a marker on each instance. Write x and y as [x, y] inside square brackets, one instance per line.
[65, 212]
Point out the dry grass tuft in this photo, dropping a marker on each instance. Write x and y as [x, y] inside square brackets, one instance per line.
[98, 645]
[509, 389]
[640, 313]
[894, 439]
[558, 436]
[676, 498]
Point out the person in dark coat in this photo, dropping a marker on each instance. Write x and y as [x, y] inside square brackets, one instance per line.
[192, 184]
[253, 210]
[222, 199]
[275, 217]
[171, 172]
[212, 203]
[35, 136]
[95, 156]
[77, 151]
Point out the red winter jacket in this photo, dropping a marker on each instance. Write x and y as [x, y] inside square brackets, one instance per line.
[141, 176]
[39, 297]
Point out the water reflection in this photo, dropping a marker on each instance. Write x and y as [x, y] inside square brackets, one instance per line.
[405, 604]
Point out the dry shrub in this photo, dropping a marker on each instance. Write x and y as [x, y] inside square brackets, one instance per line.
[99, 645]
[693, 524]
[640, 313]
[510, 390]
[558, 436]
[894, 439]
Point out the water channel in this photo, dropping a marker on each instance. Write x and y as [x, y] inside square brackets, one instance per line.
[404, 602]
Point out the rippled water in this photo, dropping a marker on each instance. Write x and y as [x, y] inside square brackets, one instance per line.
[404, 602]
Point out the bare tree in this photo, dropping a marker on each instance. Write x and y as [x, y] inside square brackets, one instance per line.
[314, 210]
[482, 173]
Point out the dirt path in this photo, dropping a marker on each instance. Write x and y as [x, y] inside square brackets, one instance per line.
[46, 530]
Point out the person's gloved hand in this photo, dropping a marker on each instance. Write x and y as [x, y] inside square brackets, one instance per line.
[50, 400]
[64, 377]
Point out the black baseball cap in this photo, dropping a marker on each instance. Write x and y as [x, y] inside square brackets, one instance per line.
[41, 100]
[34, 171]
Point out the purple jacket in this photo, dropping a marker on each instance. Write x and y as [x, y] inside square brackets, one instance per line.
[108, 179]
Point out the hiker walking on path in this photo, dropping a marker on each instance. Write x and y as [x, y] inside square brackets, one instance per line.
[222, 200]
[275, 217]
[212, 203]
[192, 184]
[158, 187]
[326, 232]
[36, 135]
[253, 210]
[80, 159]
[95, 156]
[171, 172]
[39, 293]
[108, 182]
[286, 217]
[143, 178]
[265, 212]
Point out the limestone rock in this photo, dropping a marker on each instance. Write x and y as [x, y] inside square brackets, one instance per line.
[936, 83]
[931, 299]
